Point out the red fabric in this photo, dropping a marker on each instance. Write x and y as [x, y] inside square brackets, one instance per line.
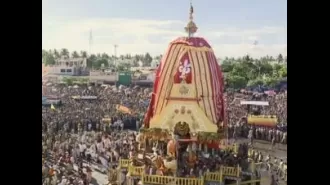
[184, 70]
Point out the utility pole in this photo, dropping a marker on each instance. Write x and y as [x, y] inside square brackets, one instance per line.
[90, 42]
[115, 49]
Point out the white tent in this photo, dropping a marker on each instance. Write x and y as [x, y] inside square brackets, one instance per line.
[262, 103]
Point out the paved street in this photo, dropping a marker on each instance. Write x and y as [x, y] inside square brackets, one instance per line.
[280, 151]
[98, 177]
[263, 146]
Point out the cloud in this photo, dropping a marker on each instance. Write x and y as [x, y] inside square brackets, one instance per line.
[140, 36]
[265, 30]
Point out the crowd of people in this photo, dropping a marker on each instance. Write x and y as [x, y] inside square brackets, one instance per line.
[238, 114]
[79, 134]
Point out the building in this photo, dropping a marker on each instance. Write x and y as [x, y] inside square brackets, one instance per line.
[71, 62]
[155, 63]
[124, 61]
[69, 67]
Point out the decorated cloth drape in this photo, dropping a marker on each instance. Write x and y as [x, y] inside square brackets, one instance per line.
[190, 60]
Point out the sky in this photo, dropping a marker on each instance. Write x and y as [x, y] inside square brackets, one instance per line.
[139, 26]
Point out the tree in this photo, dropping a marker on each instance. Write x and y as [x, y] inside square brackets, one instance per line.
[83, 54]
[283, 72]
[239, 72]
[101, 63]
[147, 60]
[65, 53]
[137, 58]
[270, 81]
[120, 67]
[285, 59]
[227, 66]
[105, 56]
[126, 66]
[75, 54]
[48, 59]
[91, 60]
[128, 56]
[247, 58]
[235, 81]
[56, 54]
[135, 63]
[44, 53]
[255, 82]
[280, 58]
[264, 68]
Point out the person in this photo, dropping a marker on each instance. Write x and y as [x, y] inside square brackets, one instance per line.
[250, 136]
[72, 132]
[89, 175]
[280, 168]
[283, 141]
[235, 134]
[273, 143]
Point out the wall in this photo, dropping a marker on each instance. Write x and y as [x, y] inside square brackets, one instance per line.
[57, 70]
[104, 78]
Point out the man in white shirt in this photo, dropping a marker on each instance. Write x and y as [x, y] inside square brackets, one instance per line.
[250, 136]
[82, 148]
[89, 126]
[150, 171]
[106, 142]
[100, 147]
[284, 138]
[280, 168]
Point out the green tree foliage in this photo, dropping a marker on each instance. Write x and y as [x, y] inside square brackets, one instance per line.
[238, 72]
[249, 72]
[147, 60]
[95, 61]
[48, 58]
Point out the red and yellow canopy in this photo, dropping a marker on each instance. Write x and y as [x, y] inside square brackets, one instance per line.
[189, 60]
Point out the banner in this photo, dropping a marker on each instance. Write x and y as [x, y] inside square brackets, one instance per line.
[261, 103]
[262, 120]
[51, 102]
[106, 120]
[123, 109]
[44, 99]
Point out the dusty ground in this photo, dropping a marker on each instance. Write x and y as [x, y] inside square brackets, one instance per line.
[280, 151]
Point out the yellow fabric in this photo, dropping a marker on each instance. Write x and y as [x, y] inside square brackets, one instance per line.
[52, 107]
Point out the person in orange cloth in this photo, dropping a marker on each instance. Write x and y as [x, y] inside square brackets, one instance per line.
[89, 174]
[171, 148]
[162, 170]
[51, 171]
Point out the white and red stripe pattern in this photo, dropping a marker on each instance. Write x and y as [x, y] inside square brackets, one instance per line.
[217, 83]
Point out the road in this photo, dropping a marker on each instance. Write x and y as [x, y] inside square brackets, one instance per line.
[280, 151]
[98, 177]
